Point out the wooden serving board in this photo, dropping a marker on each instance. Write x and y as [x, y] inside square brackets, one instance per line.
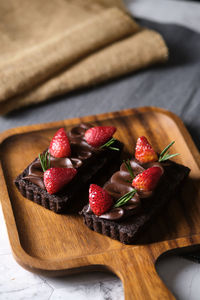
[51, 244]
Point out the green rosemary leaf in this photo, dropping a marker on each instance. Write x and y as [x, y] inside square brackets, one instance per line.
[128, 166]
[44, 161]
[41, 161]
[113, 148]
[125, 198]
[109, 143]
[166, 157]
[49, 161]
[166, 148]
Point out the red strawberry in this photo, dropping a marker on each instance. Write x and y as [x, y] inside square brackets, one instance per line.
[144, 152]
[56, 178]
[99, 199]
[59, 146]
[99, 135]
[148, 179]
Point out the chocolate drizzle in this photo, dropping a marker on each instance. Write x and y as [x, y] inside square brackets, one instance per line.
[120, 184]
[80, 152]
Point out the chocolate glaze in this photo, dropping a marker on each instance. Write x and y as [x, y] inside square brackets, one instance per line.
[80, 152]
[120, 184]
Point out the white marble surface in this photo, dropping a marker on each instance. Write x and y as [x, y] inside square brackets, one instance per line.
[181, 276]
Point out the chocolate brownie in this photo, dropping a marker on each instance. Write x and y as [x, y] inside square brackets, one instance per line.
[89, 162]
[125, 223]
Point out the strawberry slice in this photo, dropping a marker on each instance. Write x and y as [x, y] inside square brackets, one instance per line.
[99, 199]
[99, 135]
[144, 152]
[56, 178]
[59, 146]
[148, 179]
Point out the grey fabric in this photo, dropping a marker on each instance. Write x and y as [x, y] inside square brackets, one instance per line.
[174, 86]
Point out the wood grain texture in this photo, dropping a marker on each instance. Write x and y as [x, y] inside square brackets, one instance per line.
[56, 245]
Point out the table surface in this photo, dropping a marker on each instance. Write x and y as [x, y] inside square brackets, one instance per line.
[180, 275]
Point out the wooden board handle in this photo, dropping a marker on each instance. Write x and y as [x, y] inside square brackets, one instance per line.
[137, 271]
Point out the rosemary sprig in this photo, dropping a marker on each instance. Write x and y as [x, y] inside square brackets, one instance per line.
[128, 166]
[165, 154]
[45, 161]
[125, 198]
[109, 143]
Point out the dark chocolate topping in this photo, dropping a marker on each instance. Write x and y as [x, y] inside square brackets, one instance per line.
[80, 152]
[120, 184]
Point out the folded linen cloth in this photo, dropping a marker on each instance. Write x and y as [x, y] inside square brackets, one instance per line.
[52, 47]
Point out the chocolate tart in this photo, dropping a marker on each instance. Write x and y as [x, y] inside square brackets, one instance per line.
[90, 163]
[125, 223]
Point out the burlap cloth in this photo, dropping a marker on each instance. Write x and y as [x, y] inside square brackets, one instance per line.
[51, 47]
